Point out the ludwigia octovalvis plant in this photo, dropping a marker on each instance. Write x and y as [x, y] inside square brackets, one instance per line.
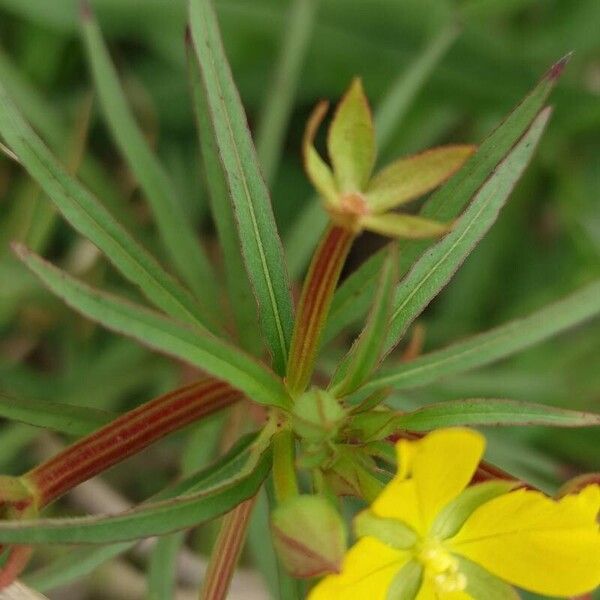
[352, 480]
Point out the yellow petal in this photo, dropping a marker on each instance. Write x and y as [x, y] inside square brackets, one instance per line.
[413, 176]
[317, 170]
[368, 570]
[432, 472]
[410, 227]
[351, 140]
[542, 545]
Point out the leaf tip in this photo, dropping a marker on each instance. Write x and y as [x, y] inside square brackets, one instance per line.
[188, 36]
[20, 250]
[557, 68]
[85, 10]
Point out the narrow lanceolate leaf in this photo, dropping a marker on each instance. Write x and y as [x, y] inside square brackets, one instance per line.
[492, 412]
[72, 566]
[176, 230]
[353, 298]
[202, 350]
[495, 344]
[65, 418]
[127, 435]
[435, 268]
[313, 308]
[257, 231]
[357, 365]
[217, 496]
[243, 304]
[91, 219]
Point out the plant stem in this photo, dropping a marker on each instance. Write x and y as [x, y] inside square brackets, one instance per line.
[127, 435]
[284, 472]
[226, 551]
[315, 301]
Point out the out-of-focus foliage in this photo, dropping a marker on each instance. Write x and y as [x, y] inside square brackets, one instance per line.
[545, 243]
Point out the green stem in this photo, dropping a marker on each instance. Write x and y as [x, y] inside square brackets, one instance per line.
[315, 301]
[284, 470]
[226, 551]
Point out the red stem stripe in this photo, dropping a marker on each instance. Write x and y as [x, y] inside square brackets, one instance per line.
[226, 552]
[315, 301]
[127, 435]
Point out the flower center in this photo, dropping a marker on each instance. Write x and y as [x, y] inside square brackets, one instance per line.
[442, 567]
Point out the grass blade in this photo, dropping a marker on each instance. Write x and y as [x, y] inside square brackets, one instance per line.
[352, 299]
[64, 418]
[404, 90]
[92, 220]
[151, 518]
[261, 247]
[280, 94]
[176, 231]
[495, 344]
[436, 267]
[492, 412]
[202, 350]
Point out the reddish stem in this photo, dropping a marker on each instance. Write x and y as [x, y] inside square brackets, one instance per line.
[226, 551]
[315, 301]
[127, 435]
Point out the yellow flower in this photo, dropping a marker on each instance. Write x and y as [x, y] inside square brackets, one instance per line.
[428, 536]
[353, 197]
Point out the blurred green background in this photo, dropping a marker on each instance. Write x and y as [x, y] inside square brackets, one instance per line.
[546, 242]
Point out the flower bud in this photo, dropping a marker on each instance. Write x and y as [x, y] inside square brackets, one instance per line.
[317, 416]
[309, 536]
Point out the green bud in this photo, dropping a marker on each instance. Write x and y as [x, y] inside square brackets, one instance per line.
[317, 416]
[309, 536]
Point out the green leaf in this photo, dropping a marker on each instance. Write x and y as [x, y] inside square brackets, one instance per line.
[353, 298]
[412, 176]
[453, 516]
[495, 344]
[435, 268]
[279, 97]
[91, 219]
[399, 225]
[492, 412]
[351, 140]
[364, 354]
[83, 561]
[176, 230]
[65, 418]
[202, 350]
[216, 497]
[243, 303]
[261, 247]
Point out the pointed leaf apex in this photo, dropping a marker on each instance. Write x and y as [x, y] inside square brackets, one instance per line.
[557, 68]
[85, 10]
[351, 140]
